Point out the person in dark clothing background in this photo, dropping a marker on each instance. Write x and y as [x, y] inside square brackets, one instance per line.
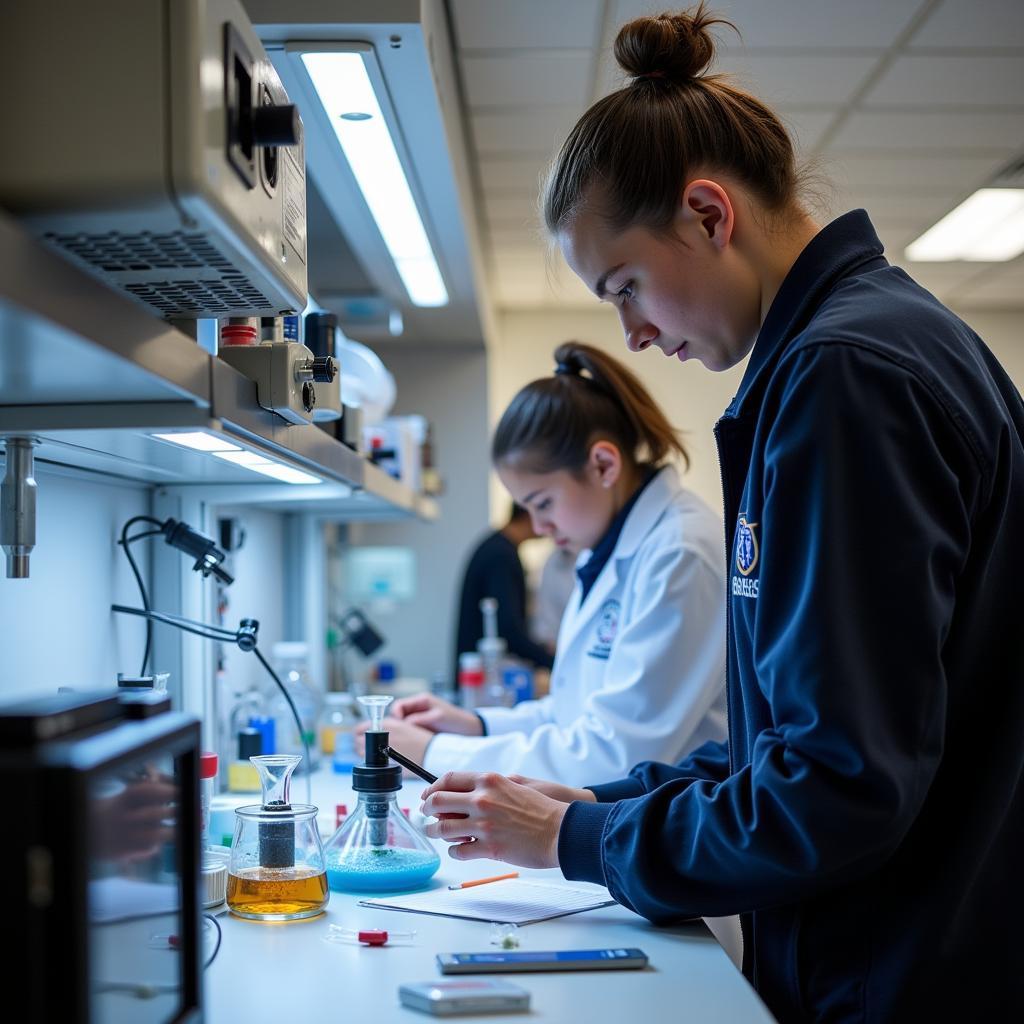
[494, 570]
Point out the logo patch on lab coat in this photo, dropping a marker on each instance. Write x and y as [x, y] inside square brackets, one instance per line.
[607, 627]
[747, 554]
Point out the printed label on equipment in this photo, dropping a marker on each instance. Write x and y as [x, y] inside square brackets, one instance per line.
[293, 186]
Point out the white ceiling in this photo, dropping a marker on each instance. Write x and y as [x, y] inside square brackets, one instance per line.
[906, 106]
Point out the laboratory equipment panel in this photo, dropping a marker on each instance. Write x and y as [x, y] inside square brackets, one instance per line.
[169, 160]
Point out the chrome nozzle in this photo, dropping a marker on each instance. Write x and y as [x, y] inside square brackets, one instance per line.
[18, 506]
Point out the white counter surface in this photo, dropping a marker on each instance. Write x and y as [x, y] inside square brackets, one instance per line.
[286, 972]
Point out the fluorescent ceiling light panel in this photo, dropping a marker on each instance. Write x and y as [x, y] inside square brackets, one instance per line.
[986, 227]
[260, 464]
[343, 85]
[200, 441]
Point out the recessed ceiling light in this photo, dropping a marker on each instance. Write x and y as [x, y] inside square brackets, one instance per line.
[986, 227]
[343, 85]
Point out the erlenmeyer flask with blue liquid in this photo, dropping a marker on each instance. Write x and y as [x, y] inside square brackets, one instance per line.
[378, 849]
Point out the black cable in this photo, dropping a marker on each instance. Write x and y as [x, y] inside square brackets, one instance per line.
[227, 634]
[145, 533]
[220, 936]
[223, 635]
[125, 542]
[167, 620]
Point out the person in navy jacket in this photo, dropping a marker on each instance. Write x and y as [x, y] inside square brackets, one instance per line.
[866, 817]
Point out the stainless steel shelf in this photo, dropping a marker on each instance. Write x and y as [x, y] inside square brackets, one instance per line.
[93, 376]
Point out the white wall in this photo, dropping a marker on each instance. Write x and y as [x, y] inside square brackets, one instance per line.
[692, 398]
[449, 387]
[56, 627]
[257, 593]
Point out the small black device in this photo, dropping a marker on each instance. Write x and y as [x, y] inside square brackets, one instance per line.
[101, 853]
[358, 633]
[563, 960]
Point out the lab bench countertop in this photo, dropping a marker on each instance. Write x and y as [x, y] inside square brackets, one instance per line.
[288, 971]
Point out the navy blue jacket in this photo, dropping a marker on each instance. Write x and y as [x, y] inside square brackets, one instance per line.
[867, 815]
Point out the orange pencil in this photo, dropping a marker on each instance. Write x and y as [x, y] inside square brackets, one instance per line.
[484, 881]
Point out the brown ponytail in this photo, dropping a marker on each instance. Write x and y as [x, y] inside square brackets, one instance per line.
[552, 423]
[641, 142]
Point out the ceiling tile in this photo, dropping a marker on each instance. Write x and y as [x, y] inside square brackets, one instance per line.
[948, 172]
[1000, 287]
[513, 173]
[898, 206]
[505, 24]
[540, 130]
[543, 78]
[524, 252]
[780, 79]
[950, 81]
[814, 24]
[998, 24]
[511, 209]
[807, 126]
[939, 131]
[504, 235]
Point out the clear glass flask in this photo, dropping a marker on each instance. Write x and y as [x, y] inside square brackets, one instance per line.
[276, 872]
[377, 849]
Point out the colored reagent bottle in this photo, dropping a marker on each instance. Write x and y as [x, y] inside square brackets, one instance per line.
[377, 849]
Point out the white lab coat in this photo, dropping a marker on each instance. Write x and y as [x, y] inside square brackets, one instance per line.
[639, 671]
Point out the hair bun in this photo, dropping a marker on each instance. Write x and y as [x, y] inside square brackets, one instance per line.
[675, 47]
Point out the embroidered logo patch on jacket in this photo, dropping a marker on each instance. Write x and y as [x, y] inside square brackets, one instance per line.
[606, 629]
[748, 554]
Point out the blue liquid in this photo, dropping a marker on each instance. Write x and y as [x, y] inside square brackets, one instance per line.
[380, 869]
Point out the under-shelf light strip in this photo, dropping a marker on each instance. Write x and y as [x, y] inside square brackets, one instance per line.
[201, 441]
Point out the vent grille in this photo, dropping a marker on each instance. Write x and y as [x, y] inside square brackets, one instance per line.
[173, 273]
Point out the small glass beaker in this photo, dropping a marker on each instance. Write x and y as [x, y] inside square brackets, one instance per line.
[277, 869]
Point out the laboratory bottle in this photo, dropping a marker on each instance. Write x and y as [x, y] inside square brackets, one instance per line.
[471, 680]
[491, 648]
[441, 685]
[242, 776]
[337, 724]
[377, 849]
[518, 680]
[290, 660]
[207, 774]
[276, 871]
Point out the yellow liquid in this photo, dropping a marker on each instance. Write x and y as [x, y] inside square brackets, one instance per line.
[277, 893]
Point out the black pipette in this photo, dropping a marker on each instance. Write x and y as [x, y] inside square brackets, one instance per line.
[416, 769]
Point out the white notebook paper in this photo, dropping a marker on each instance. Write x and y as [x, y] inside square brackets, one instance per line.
[510, 901]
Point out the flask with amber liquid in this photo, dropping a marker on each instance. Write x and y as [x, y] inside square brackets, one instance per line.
[277, 868]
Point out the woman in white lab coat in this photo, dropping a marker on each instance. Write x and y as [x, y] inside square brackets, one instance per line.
[639, 670]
